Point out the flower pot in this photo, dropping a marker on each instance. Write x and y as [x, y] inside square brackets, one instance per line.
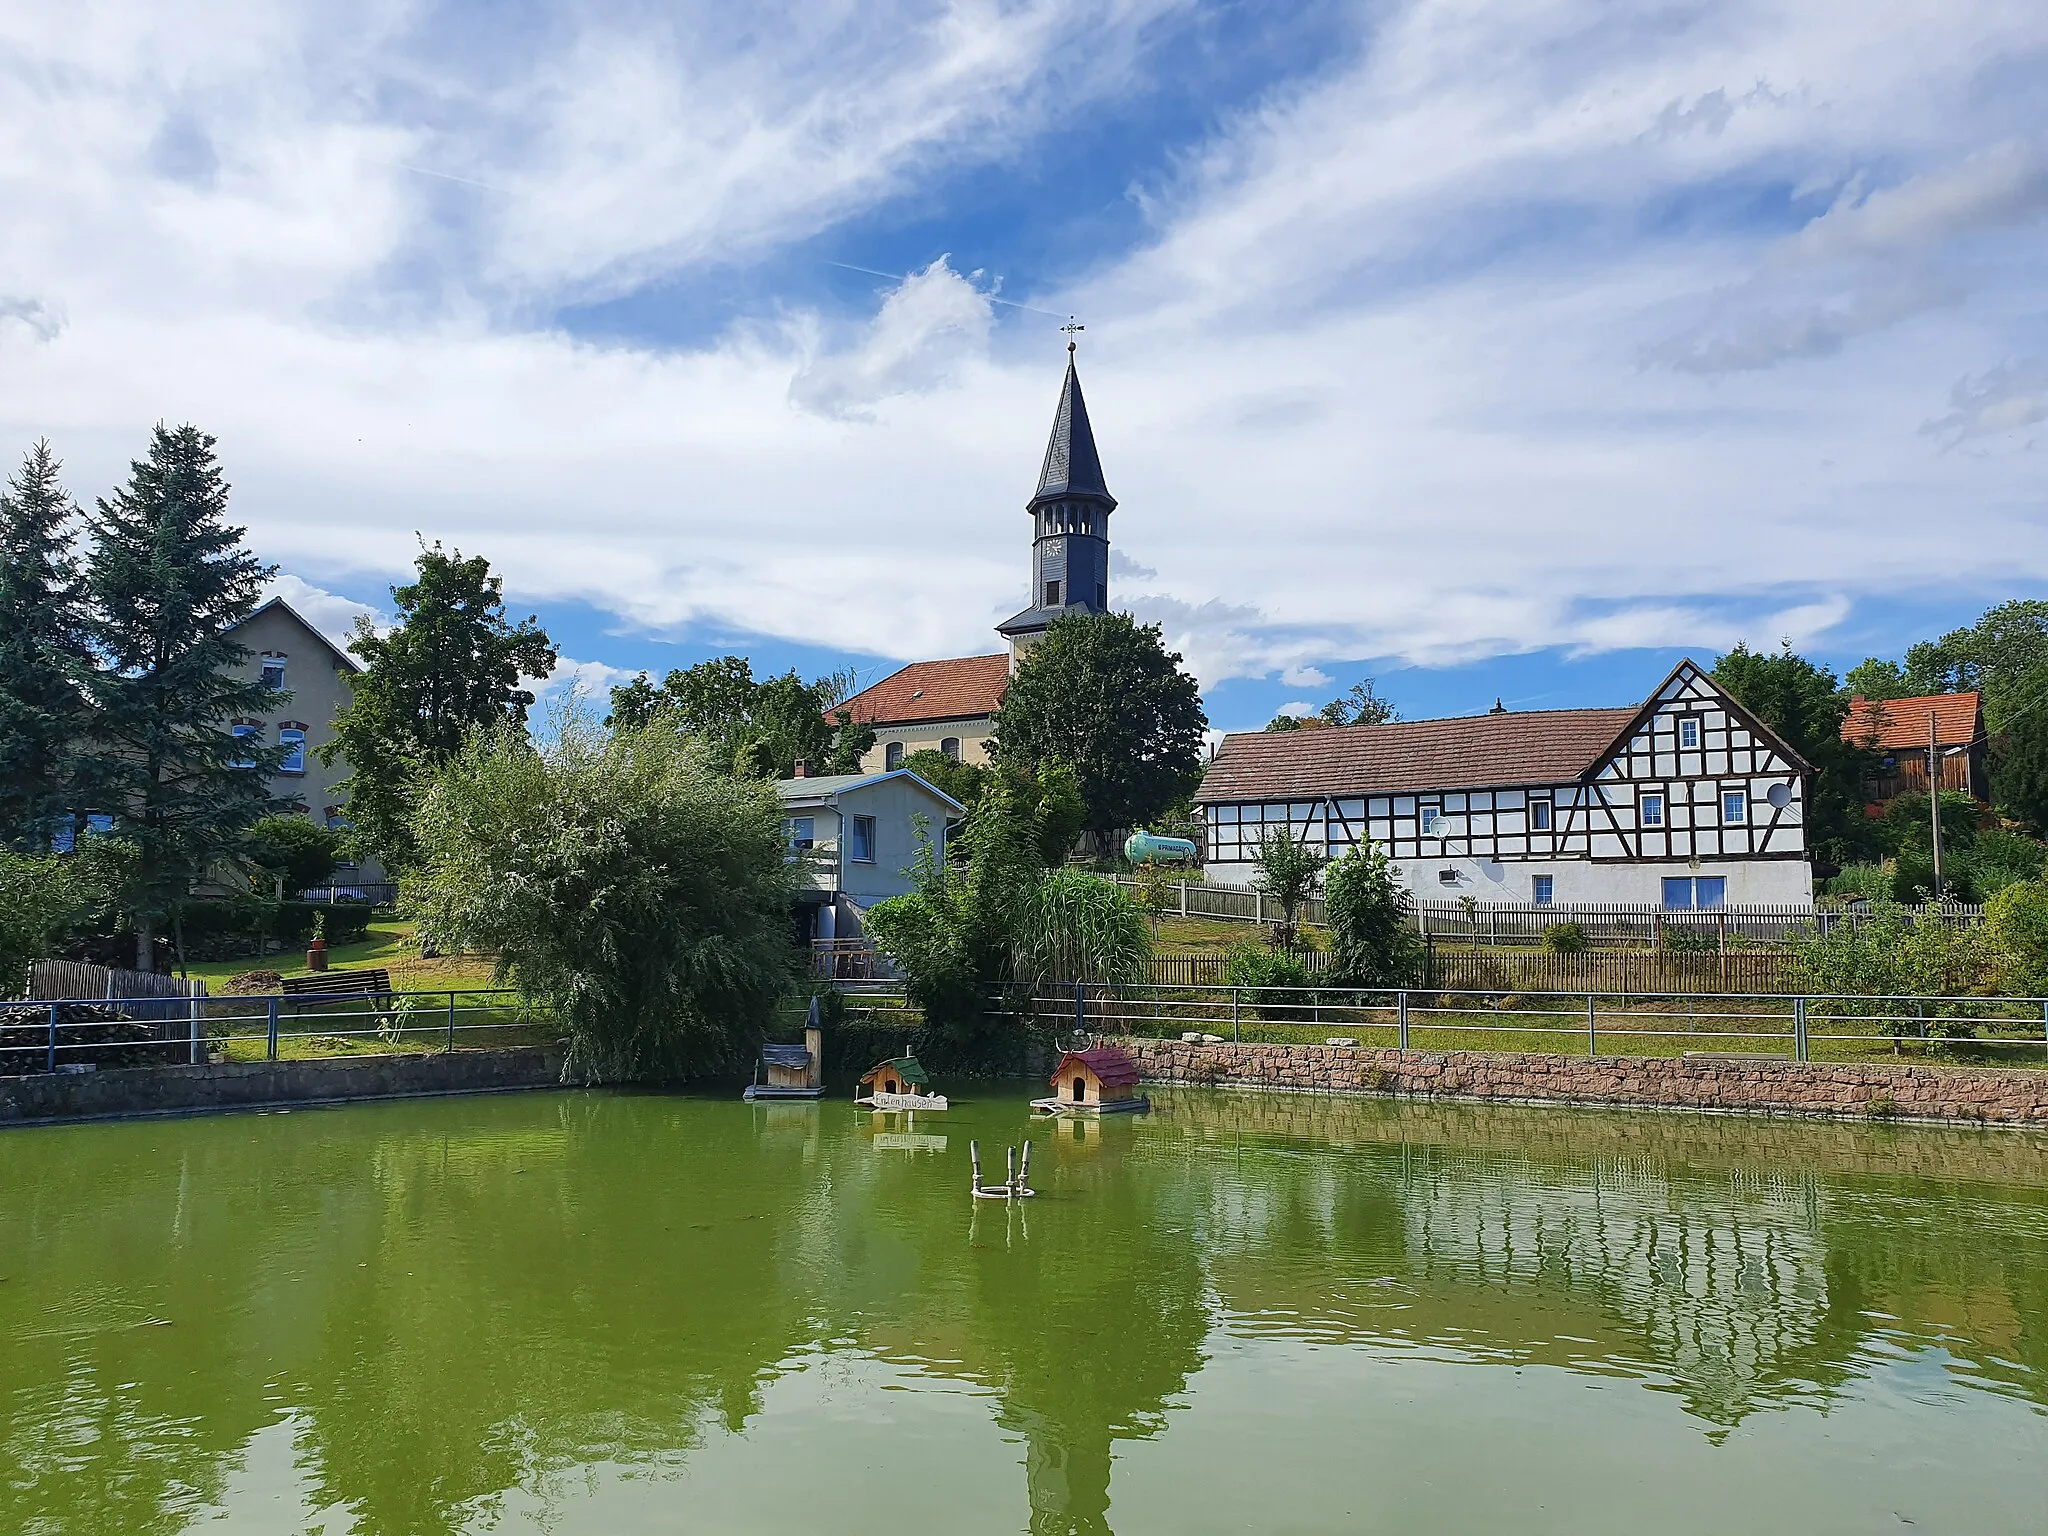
[316, 955]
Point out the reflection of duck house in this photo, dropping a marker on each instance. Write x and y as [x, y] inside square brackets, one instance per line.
[793, 1071]
[1101, 1081]
[898, 1083]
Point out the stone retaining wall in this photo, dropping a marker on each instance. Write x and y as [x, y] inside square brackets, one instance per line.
[251, 1084]
[1968, 1095]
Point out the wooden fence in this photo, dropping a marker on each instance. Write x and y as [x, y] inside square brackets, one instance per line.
[1621, 972]
[51, 981]
[1230, 902]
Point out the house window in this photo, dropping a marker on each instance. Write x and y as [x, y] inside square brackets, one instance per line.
[1052, 594]
[802, 834]
[1542, 888]
[248, 733]
[1653, 810]
[98, 824]
[1539, 815]
[1689, 731]
[1734, 806]
[335, 817]
[892, 756]
[1102, 595]
[63, 834]
[1430, 818]
[863, 840]
[273, 672]
[951, 747]
[293, 740]
[1684, 893]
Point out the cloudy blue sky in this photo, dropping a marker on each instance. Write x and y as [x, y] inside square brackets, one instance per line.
[1491, 347]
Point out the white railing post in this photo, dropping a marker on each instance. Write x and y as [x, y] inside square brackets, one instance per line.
[1401, 1016]
[1592, 1030]
[1799, 1028]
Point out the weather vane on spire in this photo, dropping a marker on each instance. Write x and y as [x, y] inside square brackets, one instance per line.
[1070, 331]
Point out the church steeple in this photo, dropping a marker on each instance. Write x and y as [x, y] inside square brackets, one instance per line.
[1069, 523]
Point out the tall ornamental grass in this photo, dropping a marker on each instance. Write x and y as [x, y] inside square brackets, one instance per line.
[1075, 926]
[622, 880]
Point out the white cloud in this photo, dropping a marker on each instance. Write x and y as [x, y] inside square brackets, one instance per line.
[1371, 386]
[1304, 677]
[332, 614]
[2004, 399]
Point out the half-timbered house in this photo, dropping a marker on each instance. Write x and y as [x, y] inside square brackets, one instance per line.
[1686, 801]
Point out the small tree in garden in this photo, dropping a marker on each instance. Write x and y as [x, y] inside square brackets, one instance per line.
[2018, 919]
[1370, 916]
[1289, 872]
[294, 851]
[627, 881]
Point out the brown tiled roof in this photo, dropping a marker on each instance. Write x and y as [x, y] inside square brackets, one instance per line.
[1901, 724]
[1469, 752]
[1112, 1068]
[962, 688]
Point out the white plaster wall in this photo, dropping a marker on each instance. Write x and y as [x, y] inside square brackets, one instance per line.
[1751, 882]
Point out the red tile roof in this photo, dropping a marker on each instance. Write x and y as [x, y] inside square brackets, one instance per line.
[1901, 724]
[1112, 1068]
[963, 688]
[1469, 752]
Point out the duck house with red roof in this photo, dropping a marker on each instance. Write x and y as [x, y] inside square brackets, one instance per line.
[1099, 1081]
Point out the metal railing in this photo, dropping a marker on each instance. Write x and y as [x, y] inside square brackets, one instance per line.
[83, 1034]
[1785, 1026]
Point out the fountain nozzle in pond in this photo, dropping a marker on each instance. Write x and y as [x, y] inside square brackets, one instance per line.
[1016, 1179]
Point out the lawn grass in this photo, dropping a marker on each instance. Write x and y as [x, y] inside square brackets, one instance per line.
[1214, 935]
[391, 943]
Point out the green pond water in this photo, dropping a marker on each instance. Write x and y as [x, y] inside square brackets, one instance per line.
[614, 1313]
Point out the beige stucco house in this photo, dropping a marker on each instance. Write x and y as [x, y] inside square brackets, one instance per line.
[309, 674]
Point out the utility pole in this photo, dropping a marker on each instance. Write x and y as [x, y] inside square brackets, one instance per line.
[1934, 796]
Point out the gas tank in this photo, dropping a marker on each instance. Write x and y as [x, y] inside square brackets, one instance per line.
[1151, 848]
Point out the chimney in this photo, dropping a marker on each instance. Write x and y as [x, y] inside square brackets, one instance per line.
[801, 771]
[1498, 708]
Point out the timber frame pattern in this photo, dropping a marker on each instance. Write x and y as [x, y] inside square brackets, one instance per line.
[1692, 776]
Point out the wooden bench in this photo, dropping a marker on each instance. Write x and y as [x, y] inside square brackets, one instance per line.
[326, 986]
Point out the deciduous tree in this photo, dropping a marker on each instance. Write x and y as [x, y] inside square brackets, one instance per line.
[1802, 703]
[623, 878]
[450, 666]
[1102, 694]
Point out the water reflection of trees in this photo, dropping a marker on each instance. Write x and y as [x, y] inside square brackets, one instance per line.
[556, 1283]
[1739, 1264]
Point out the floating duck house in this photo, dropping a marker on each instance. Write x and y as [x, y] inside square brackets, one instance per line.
[1101, 1081]
[793, 1071]
[898, 1083]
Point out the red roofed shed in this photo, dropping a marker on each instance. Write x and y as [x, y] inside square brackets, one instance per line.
[1898, 729]
[1103, 1075]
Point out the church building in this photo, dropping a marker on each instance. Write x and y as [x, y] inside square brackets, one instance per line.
[948, 706]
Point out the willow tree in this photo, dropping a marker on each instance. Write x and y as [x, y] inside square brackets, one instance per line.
[623, 880]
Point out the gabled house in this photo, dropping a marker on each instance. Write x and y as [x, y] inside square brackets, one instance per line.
[1900, 730]
[1684, 801]
[855, 838]
[310, 676]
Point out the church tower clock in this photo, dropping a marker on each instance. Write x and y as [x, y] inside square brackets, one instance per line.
[1069, 524]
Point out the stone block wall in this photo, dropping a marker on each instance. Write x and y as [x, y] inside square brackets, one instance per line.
[1971, 1095]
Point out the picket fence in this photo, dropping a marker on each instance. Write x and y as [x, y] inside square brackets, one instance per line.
[51, 981]
[1619, 972]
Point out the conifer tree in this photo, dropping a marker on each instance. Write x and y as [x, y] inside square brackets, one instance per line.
[168, 580]
[44, 657]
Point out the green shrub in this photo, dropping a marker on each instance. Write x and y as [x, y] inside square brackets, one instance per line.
[1684, 939]
[1861, 882]
[2017, 918]
[1564, 939]
[1074, 926]
[1373, 941]
[1250, 963]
